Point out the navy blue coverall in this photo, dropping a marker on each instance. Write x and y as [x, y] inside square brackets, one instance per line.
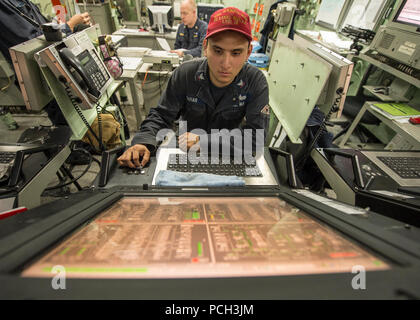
[244, 104]
[191, 39]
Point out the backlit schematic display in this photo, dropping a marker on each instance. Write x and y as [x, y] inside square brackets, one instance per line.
[198, 237]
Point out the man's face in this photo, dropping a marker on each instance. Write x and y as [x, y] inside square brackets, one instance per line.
[188, 14]
[226, 53]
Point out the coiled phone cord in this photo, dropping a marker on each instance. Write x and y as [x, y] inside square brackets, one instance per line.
[322, 127]
[75, 102]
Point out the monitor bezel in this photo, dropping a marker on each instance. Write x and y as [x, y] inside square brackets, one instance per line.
[340, 18]
[379, 15]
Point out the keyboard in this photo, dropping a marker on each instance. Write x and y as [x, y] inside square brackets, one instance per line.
[405, 167]
[224, 167]
[401, 166]
[7, 157]
[6, 162]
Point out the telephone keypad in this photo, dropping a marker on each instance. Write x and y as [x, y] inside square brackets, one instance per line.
[96, 71]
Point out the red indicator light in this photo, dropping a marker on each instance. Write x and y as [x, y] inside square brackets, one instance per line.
[343, 254]
[12, 212]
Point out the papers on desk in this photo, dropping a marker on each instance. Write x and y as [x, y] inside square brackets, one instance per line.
[131, 63]
[331, 38]
[310, 34]
[129, 30]
[163, 44]
[116, 38]
[137, 52]
[395, 110]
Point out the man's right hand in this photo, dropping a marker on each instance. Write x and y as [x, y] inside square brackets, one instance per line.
[131, 156]
[180, 53]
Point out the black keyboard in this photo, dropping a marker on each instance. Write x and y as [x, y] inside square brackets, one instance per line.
[7, 157]
[224, 167]
[405, 167]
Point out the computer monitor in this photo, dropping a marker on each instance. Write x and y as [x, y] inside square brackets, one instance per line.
[409, 14]
[205, 10]
[33, 87]
[292, 99]
[397, 43]
[335, 90]
[163, 244]
[201, 238]
[365, 14]
[161, 18]
[331, 13]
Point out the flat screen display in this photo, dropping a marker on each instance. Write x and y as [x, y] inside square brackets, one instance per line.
[329, 13]
[199, 237]
[409, 13]
[364, 14]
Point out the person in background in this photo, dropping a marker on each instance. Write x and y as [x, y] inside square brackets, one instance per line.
[218, 91]
[191, 32]
[16, 28]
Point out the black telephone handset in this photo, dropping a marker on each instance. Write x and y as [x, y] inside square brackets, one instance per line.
[83, 76]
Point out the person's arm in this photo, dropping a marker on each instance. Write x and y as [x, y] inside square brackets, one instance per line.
[161, 117]
[82, 18]
[15, 29]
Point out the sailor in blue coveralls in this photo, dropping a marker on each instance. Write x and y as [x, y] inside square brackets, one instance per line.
[191, 32]
[219, 91]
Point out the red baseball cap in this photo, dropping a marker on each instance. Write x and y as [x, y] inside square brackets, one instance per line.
[230, 18]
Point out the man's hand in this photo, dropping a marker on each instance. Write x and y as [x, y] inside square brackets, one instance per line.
[131, 156]
[187, 140]
[180, 53]
[78, 19]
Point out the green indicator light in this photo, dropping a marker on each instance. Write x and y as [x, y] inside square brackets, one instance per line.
[196, 215]
[287, 238]
[377, 262]
[64, 251]
[247, 239]
[100, 270]
[81, 251]
[200, 249]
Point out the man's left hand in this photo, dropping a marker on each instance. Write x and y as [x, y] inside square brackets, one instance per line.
[180, 53]
[187, 140]
[83, 18]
